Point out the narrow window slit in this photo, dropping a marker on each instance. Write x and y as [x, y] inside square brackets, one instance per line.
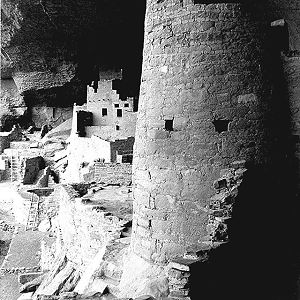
[104, 112]
[119, 113]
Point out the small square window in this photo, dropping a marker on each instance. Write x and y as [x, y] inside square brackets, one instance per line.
[169, 125]
[104, 112]
[117, 105]
[117, 127]
[119, 113]
[126, 104]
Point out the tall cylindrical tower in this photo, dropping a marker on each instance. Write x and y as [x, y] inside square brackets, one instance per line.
[201, 108]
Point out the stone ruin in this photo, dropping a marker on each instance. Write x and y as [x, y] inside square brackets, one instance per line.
[207, 208]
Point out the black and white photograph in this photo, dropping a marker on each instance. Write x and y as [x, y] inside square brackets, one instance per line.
[150, 150]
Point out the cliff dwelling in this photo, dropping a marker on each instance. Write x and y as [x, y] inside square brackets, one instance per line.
[150, 150]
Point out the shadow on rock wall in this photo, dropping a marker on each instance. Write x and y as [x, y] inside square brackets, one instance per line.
[261, 259]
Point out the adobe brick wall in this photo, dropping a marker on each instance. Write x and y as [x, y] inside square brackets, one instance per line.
[201, 72]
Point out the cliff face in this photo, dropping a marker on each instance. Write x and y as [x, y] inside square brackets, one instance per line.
[12, 105]
[50, 44]
[53, 44]
[40, 36]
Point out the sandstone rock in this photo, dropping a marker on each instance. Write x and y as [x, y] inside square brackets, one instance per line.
[12, 105]
[158, 287]
[97, 287]
[182, 264]
[26, 296]
[68, 295]
[58, 265]
[27, 277]
[32, 285]
[44, 225]
[58, 281]
[145, 297]
[71, 283]
[87, 276]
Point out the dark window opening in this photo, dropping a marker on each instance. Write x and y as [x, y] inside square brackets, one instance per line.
[127, 158]
[117, 127]
[221, 125]
[119, 112]
[117, 105]
[126, 105]
[169, 125]
[104, 112]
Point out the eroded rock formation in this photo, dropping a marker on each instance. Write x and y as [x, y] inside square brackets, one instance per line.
[216, 159]
[53, 49]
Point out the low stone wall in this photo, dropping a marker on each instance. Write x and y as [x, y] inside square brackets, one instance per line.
[84, 228]
[112, 173]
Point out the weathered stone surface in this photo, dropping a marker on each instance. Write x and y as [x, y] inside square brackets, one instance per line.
[144, 297]
[87, 277]
[58, 265]
[200, 95]
[24, 278]
[30, 282]
[26, 296]
[12, 105]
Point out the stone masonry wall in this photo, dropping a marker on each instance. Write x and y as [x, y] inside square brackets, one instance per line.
[202, 105]
[110, 125]
[121, 147]
[292, 76]
[84, 228]
[112, 173]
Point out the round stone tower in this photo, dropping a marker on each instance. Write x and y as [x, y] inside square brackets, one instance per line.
[201, 116]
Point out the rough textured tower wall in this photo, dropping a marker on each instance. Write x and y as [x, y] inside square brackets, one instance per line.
[291, 67]
[201, 108]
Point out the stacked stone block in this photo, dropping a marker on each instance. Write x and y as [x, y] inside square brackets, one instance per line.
[112, 173]
[202, 107]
